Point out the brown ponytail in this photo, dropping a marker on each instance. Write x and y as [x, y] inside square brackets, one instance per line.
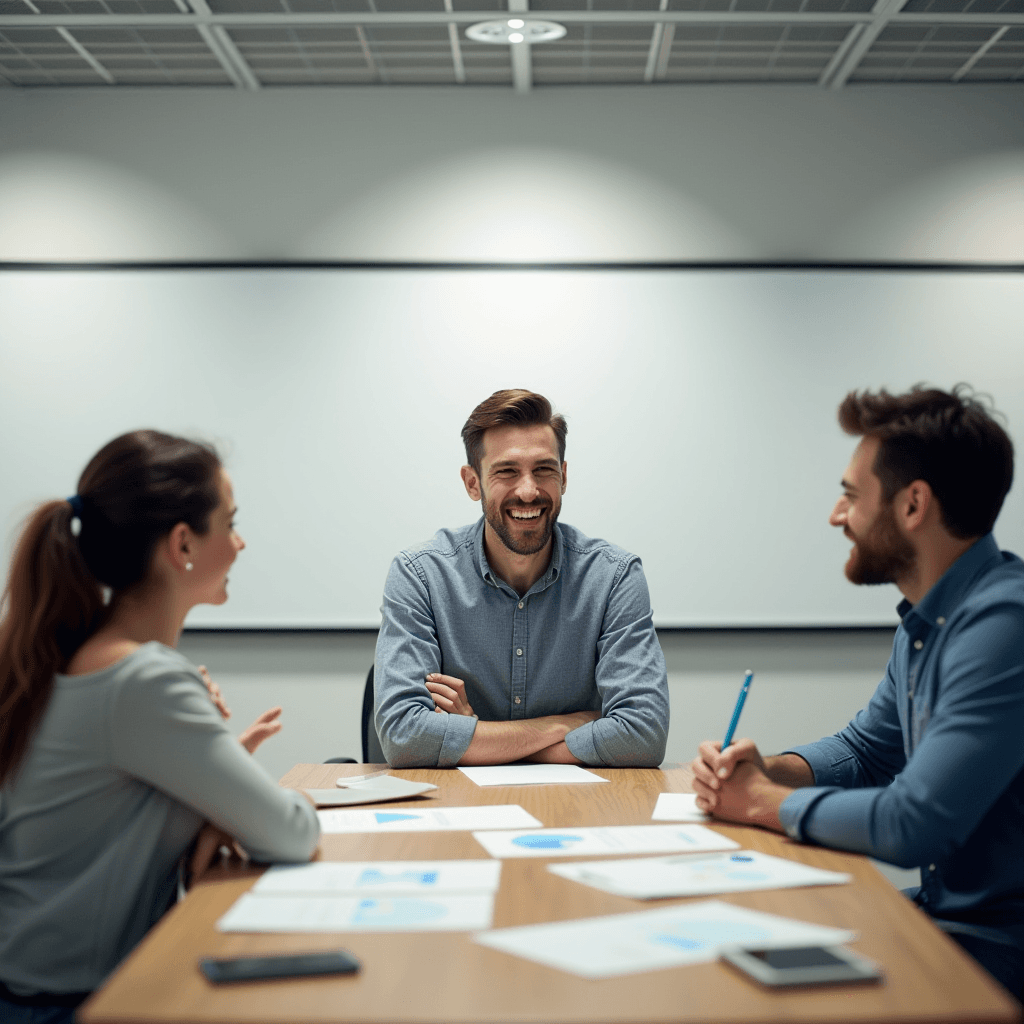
[133, 492]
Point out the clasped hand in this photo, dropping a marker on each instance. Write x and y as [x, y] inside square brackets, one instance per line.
[734, 785]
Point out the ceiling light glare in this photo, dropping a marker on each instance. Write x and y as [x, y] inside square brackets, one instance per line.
[515, 30]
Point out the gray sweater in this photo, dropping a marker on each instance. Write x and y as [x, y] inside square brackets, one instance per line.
[126, 765]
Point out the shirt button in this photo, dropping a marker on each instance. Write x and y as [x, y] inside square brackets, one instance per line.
[941, 620]
[931, 867]
[519, 651]
[918, 644]
[518, 701]
[520, 604]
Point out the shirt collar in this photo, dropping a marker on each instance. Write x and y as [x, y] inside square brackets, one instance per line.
[493, 579]
[940, 602]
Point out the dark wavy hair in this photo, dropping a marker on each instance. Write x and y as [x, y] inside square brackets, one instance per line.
[133, 492]
[949, 439]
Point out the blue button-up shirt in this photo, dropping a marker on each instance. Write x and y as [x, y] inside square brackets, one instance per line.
[931, 773]
[581, 639]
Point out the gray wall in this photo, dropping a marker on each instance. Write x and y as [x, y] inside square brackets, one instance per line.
[705, 172]
[807, 684]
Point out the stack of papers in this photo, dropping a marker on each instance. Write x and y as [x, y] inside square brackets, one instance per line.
[588, 842]
[374, 790]
[529, 775]
[432, 819]
[646, 878]
[376, 896]
[603, 947]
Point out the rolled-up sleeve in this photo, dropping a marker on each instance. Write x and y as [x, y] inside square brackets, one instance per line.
[632, 681]
[412, 734]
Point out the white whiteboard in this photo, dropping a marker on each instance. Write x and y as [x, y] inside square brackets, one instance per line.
[701, 408]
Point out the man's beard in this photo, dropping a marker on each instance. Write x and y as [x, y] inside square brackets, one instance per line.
[531, 542]
[883, 554]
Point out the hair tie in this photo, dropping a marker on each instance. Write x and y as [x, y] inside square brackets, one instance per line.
[75, 502]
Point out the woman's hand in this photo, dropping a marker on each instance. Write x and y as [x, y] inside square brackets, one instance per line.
[215, 695]
[263, 728]
[209, 844]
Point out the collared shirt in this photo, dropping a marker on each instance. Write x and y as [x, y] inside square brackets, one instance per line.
[581, 639]
[931, 773]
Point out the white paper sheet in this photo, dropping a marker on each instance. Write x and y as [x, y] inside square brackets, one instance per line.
[433, 819]
[589, 842]
[529, 775]
[678, 807]
[647, 878]
[380, 878]
[373, 790]
[252, 913]
[603, 947]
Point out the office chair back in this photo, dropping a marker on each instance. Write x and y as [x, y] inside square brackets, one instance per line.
[372, 752]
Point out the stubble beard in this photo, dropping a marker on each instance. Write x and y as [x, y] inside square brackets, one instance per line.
[529, 544]
[881, 556]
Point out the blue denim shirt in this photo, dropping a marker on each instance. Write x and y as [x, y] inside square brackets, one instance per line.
[931, 773]
[581, 639]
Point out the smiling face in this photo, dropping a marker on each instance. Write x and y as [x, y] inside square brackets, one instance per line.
[213, 553]
[880, 553]
[520, 485]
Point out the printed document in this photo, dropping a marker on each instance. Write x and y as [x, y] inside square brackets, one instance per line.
[388, 878]
[253, 913]
[603, 947]
[647, 878]
[597, 841]
[529, 774]
[678, 807]
[433, 819]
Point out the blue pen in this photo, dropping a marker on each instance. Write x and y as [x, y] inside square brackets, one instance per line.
[744, 690]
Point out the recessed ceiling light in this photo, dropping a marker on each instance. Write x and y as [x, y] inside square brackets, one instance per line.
[515, 30]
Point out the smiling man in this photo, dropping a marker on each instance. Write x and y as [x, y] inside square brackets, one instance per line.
[518, 638]
[931, 773]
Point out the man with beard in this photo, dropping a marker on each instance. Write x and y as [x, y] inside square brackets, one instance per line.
[518, 637]
[931, 773]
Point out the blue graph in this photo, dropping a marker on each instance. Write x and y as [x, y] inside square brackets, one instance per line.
[371, 876]
[696, 935]
[385, 816]
[399, 913]
[546, 842]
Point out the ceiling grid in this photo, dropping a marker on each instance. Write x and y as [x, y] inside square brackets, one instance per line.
[254, 44]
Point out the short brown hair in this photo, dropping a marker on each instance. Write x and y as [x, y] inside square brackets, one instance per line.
[513, 407]
[948, 439]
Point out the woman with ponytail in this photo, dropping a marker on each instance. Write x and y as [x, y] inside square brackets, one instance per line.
[112, 754]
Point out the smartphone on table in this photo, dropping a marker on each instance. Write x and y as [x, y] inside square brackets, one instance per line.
[803, 965]
[290, 965]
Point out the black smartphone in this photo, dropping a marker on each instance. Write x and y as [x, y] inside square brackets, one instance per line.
[292, 965]
[804, 965]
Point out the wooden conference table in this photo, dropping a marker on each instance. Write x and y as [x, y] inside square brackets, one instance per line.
[444, 977]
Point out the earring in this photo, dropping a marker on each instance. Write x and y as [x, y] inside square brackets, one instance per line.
[188, 567]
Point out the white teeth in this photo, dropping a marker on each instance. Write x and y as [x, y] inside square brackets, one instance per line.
[524, 514]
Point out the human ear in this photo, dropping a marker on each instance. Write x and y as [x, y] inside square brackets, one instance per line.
[179, 546]
[565, 478]
[916, 504]
[471, 481]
